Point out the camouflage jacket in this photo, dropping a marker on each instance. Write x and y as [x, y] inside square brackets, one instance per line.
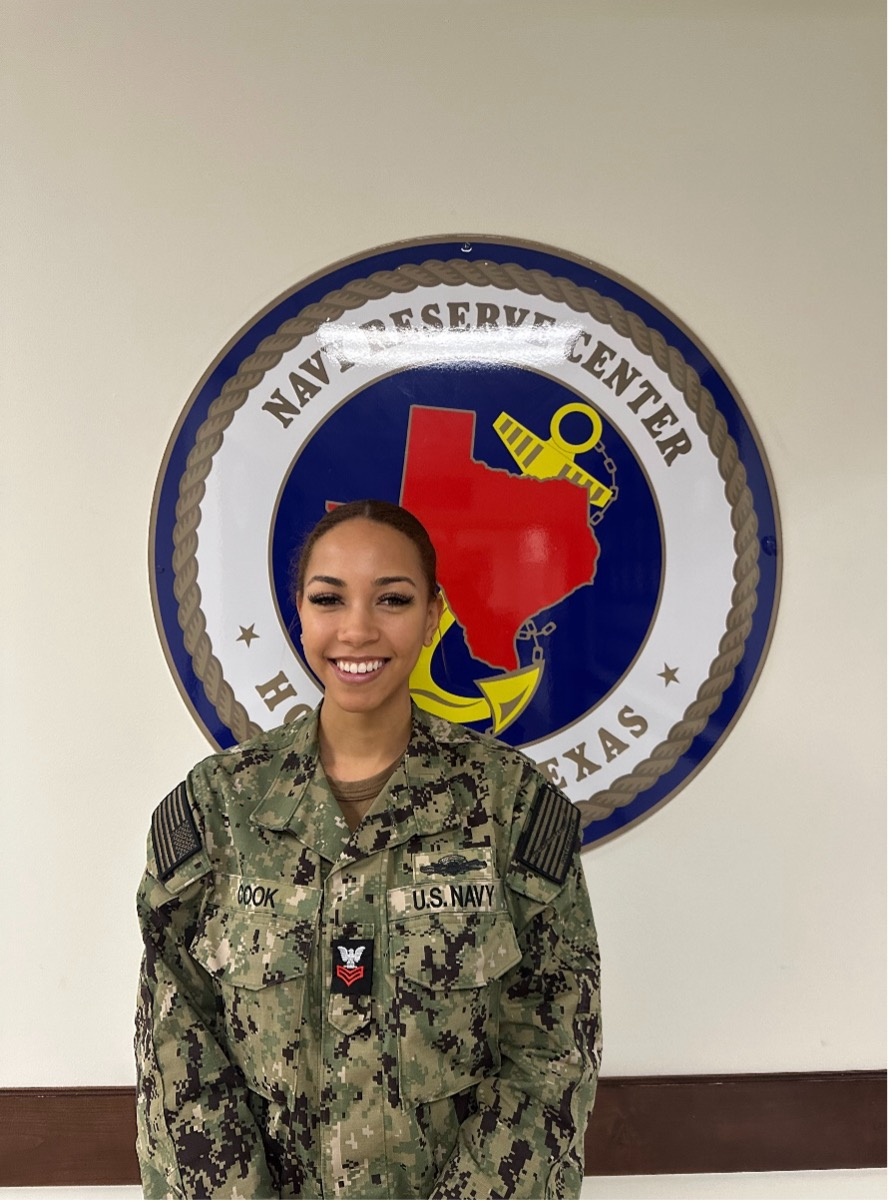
[408, 1012]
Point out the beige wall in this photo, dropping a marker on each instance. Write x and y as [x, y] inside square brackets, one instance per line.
[169, 168]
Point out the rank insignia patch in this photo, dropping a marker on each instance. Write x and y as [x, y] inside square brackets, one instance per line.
[174, 834]
[551, 836]
[352, 966]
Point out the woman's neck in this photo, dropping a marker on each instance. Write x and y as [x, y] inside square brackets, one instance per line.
[356, 746]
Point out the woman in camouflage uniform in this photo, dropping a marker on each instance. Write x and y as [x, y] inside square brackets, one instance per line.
[370, 965]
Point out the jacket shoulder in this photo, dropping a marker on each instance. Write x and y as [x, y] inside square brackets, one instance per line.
[197, 817]
[464, 743]
[244, 772]
[542, 824]
[259, 750]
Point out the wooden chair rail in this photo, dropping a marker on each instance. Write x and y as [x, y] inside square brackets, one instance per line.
[666, 1125]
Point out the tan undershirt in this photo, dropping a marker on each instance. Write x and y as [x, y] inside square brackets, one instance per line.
[355, 797]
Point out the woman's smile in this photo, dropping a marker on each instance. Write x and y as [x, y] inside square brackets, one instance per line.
[360, 670]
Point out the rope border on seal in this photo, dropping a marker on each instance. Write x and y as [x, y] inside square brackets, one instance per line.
[455, 273]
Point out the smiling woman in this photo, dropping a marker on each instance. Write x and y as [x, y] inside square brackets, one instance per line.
[367, 601]
[370, 964]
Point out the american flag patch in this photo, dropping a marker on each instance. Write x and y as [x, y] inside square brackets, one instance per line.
[174, 834]
[551, 836]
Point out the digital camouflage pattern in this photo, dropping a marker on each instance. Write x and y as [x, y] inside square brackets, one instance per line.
[266, 1067]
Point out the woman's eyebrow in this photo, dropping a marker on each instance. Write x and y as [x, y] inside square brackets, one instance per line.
[327, 580]
[378, 582]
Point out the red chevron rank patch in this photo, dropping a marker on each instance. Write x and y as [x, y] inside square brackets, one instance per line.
[352, 966]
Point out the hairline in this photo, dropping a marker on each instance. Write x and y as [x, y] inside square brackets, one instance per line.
[420, 540]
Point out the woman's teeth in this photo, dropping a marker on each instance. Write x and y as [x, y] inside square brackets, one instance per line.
[357, 667]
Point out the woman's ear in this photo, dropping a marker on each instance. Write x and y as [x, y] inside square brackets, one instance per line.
[435, 613]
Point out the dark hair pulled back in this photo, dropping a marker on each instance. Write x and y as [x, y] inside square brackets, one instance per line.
[387, 514]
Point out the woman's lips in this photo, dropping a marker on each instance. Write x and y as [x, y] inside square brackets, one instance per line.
[358, 671]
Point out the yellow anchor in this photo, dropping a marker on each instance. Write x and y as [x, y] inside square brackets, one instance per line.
[554, 459]
[504, 696]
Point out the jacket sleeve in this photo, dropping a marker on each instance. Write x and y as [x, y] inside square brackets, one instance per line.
[197, 1138]
[525, 1140]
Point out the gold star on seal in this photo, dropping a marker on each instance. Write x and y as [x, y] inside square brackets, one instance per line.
[669, 674]
[247, 634]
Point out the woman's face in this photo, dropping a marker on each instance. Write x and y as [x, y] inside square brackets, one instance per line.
[365, 614]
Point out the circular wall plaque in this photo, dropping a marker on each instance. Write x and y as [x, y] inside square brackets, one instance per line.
[605, 520]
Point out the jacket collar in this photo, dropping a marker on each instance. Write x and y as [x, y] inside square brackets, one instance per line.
[417, 802]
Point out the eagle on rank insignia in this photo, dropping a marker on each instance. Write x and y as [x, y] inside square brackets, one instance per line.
[352, 966]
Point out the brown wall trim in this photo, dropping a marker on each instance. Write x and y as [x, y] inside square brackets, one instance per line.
[678, 1125]
[739, 1123]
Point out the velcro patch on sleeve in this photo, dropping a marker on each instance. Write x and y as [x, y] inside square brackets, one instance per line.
[551, 836]
[174, 835]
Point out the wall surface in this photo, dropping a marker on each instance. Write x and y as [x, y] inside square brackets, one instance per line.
[171, 168]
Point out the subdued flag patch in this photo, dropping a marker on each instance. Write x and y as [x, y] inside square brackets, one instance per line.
[551, 835]
[174, 834]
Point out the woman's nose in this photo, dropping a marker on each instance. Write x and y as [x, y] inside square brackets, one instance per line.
[358, 625]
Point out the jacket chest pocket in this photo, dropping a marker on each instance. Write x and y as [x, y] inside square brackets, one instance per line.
[447, 970]
[260, 961]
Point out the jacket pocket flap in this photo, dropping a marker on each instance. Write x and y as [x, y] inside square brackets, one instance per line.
[251, 949]
[453, 951]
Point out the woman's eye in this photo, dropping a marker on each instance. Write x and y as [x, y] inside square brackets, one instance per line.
[323, 599]
[396, 599]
